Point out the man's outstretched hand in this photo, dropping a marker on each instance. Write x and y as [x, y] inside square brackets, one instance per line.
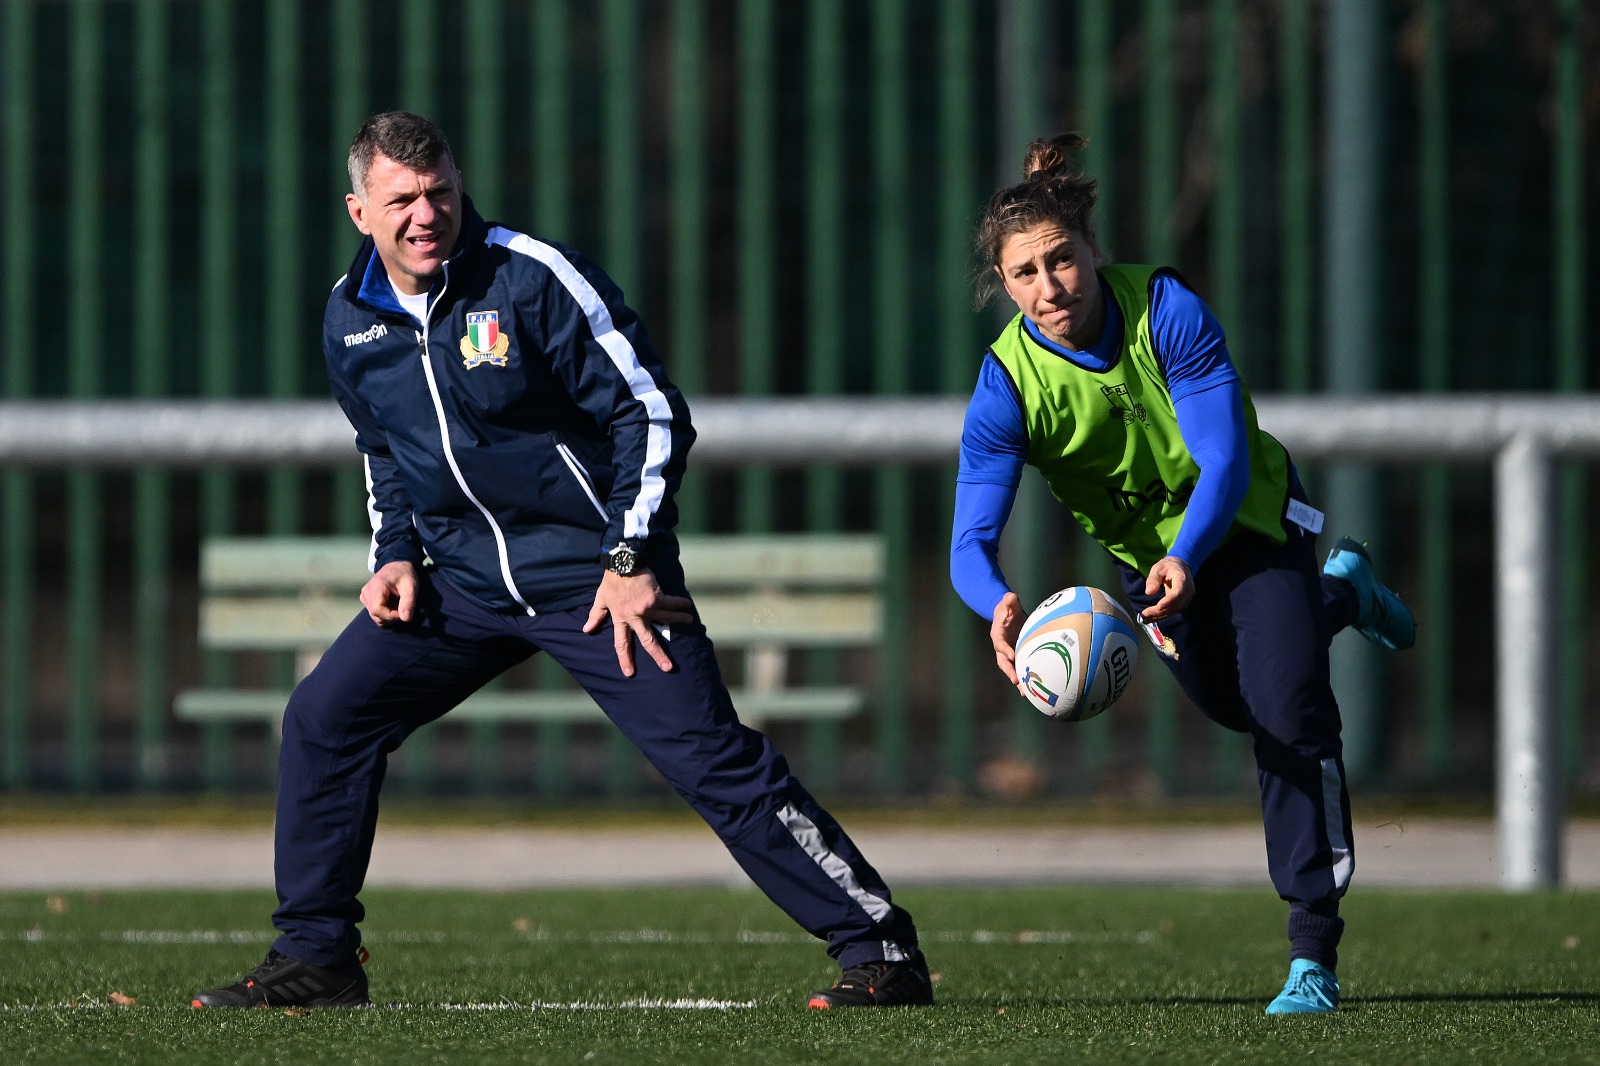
[390, 595]
[637, 605]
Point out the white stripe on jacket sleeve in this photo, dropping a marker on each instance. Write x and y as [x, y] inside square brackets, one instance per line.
[658, 437]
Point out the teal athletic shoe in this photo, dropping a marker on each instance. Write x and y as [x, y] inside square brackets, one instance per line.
[1312, 988]
[1382, 617]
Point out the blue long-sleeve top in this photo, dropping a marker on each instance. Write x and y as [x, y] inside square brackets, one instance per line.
[1207, 397]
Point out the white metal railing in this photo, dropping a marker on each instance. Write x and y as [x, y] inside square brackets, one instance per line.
[860, 431]
[1520, 434]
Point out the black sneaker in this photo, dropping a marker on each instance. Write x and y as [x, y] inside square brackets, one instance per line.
[879, 984]
[284, 982]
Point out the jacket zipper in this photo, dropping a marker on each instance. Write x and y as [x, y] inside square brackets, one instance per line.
[450, 458]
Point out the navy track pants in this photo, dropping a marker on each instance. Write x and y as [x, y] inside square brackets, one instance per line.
[1253, 656]
[374, 686]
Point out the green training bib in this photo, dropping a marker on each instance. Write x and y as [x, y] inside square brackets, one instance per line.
[1107, 442]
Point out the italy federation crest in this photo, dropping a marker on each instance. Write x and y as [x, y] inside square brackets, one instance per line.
[484, 343]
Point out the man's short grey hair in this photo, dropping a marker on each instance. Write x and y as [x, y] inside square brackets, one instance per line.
[410, 140]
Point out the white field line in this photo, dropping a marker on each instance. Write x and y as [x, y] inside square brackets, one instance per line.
[626, 936]
[627, 1004]
[536, 1005]
[1045, 936]
[635, 936]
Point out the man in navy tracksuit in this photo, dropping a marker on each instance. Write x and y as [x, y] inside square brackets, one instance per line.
[520, 435]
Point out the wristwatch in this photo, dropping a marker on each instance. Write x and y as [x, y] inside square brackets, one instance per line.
[623, 560]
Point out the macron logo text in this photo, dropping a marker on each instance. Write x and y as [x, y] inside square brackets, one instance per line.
[353, 339]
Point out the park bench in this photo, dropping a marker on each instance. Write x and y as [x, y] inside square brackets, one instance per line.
[761, 596]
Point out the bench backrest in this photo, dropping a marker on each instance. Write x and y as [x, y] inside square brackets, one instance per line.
[794, 590]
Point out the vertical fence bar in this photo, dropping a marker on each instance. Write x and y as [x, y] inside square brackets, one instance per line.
[755, 243]
[419, 65]
[482, 165]
[1353, 164]
[285, 324]
[552, 204]
[482, 154]
[1433, 172]
[1160, 184]
[1528, 722]
[552, 215]
[623, 228]
[349, 109]
[825, 273]
[1570, 254]
[285, 252]
[687, 354]
[1160, 133]
[1099, 160]
[1296, 249]
[1094, 109]
[1227, 197]
[623, 235]
[892, 197]
[16, 486]
[218, 289]
[151, 340]
[414, 766]
[1022, 116]
[84, 345]
[959, 199]
[825, 236]
[1227, 264]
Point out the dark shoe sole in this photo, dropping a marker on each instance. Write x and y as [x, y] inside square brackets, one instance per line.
[820, 1002]
[199, 1003]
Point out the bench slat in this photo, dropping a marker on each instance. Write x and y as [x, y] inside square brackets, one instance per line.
[837, 619]
[795, 560]
[828, 619]
[254, 705]
[283, 564]
[290, 564]
[782, 591]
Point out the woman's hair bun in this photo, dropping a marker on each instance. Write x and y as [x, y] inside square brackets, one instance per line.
[1052, 157]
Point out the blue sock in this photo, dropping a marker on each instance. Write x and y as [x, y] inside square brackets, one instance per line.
[1315, 936]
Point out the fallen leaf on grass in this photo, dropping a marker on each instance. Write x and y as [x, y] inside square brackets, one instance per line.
[121, 1000]
[522, 925]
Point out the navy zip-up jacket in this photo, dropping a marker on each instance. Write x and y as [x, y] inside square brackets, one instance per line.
[521, 432]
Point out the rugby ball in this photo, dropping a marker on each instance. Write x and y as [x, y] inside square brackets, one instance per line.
[1076, 653]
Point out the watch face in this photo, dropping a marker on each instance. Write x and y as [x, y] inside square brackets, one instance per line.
[622, 560]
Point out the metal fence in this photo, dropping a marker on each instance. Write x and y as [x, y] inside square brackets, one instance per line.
[786, 191]
[1522, 437]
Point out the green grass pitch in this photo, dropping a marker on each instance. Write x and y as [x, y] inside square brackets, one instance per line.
[1069, 974]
